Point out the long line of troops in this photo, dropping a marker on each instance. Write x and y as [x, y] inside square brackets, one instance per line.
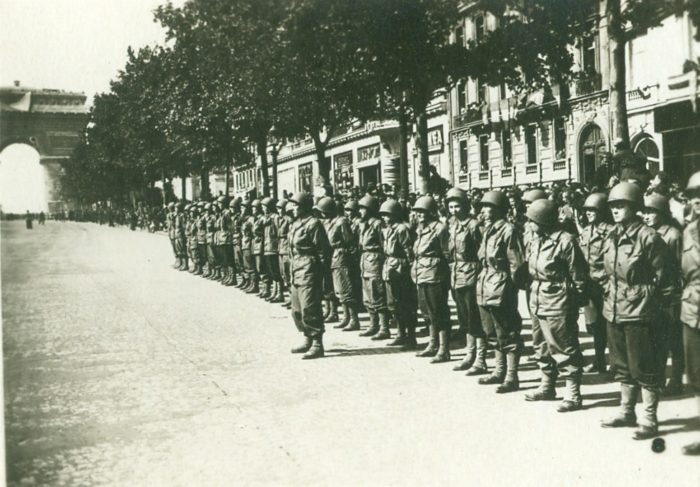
[631, 269]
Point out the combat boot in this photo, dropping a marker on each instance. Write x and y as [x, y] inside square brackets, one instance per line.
[278, 296]
[545, 392]
[185, 267]
[469, 356]
[572, 400]
[304, 347]
[316, 350]
[346, 317]
[254, 287]
[179, 263]
[443, 354]
[511, 383]
[400, 339]
[626, 417]
[479, 367]
[384, 332]
[373, 325]
[206, 272]
[649, 426]
[410, 341]
[198, 270]
[432, 349]
[499, 370]
[332, 312]
[354, 323]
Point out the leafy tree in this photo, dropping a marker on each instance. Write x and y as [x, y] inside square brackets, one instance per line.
[232, 48]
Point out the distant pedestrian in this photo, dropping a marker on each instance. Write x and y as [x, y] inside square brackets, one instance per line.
[29, 219]
[42, 218]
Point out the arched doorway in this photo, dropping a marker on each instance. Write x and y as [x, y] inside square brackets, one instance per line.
[592, 148]
[647, 148]
[22, 180]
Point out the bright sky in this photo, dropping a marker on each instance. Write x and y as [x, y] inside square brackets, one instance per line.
[75, 45]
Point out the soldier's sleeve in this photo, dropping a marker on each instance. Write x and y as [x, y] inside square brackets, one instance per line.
[444, 238]
[347, 235]
[404, 238]
[321, 242]
[658, 255]
[514, 250]
[578, 270]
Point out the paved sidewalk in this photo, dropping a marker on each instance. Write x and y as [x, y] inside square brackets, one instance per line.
[122, 371]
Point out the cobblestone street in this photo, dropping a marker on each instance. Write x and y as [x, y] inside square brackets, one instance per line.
[120, 370]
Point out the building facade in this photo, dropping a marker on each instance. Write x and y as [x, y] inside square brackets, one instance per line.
[500, 140]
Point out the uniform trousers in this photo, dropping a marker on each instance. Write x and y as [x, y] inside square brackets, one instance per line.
[468, 311]
[503, 324]
[272, 267]
[401, 297]
[635, 351]
[691, 341]
[181, 247]
[306, 308]
[285, 269]
[249, 264]
[173, 242]
[374, 294]
[343, 285]
[562, 346]
[432, 300]
[226, 255]
[238, 257]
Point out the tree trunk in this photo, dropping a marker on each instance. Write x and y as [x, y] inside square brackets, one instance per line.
[183, 184]
[262, 152]
[618, 87]
[274, 172]
[227, 183]
[205, 192]
[422, 147]
[403, 153]
[322, 166]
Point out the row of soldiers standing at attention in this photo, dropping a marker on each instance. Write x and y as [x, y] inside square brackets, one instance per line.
[625, 264]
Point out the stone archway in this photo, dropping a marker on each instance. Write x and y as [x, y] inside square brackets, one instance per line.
[50, 122]
[22, 180]
[592, 148]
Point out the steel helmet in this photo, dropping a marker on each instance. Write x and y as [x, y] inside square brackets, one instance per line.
[171, 205]
[628, 192]
[234, 203]
[390, 207]
[693, 182]
[426, 204]
[303, 200]
[180, 205]
[534, 195]
[596, 201]
[352, 205]
[543, 212]
[221, 200]
[457, 194]
[207, 206]
[188, 207]
[282, 205]
[325, 205]
[657, 202]
[369, 202]
[496, 198]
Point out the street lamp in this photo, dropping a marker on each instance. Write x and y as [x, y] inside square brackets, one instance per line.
[275, 145]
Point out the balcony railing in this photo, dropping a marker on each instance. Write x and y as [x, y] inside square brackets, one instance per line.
[559, 165]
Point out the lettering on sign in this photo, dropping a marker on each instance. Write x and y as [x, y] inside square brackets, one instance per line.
[435, 139]
[368, 152]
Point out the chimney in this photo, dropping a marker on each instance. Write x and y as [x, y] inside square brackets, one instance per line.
[17, 82]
